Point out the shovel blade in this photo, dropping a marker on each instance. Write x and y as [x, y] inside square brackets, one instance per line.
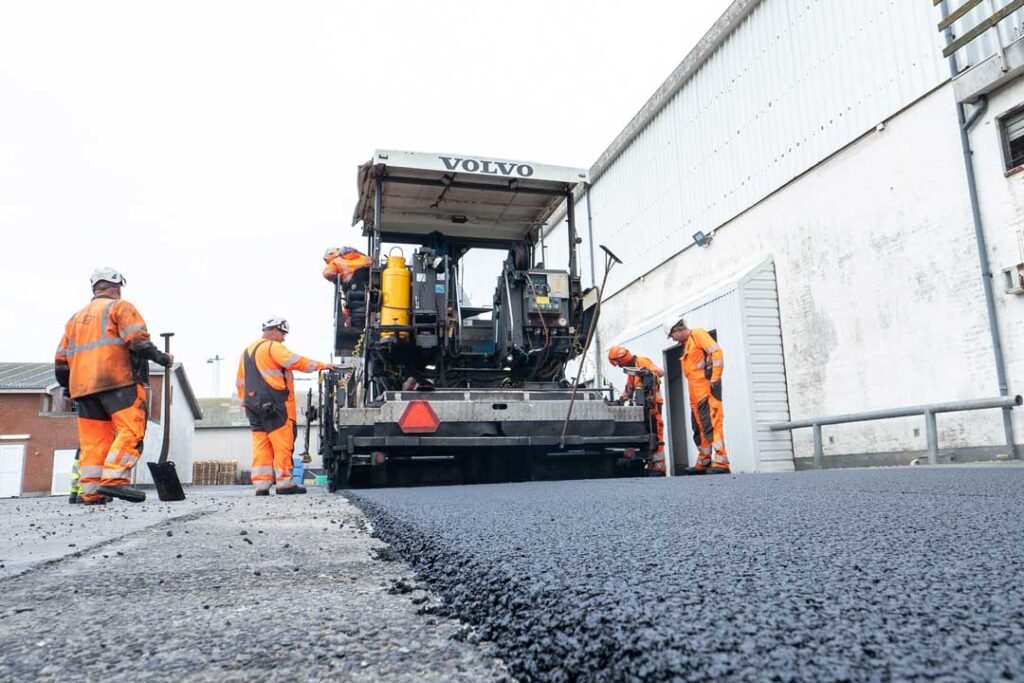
[165, 476]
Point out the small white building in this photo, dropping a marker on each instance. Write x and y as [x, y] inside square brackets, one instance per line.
[817, 144]
[224, 434]
[185, 414]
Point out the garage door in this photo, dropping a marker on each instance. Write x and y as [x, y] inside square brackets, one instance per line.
[12, 462]
[62, 462]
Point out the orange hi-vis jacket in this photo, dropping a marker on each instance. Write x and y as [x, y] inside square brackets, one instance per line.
[276, 364]
[346, 266]
[96, 345]
[634, 382]
[702, 361]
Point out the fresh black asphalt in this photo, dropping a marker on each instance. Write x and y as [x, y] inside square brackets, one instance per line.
[887, 574]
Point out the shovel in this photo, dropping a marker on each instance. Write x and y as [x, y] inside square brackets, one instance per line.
[165, 476]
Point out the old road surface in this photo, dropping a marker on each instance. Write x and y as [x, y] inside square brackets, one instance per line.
[220, 587]
[861, 575]
[855, 575]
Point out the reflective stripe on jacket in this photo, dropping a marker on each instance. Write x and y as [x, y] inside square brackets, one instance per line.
[702, 359]
[96, 345]
[274, 365]
[346, 266]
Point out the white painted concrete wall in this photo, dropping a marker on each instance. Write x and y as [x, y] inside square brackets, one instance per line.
[1002, 207]
[235, 443]
[879, 286]
[182, 434]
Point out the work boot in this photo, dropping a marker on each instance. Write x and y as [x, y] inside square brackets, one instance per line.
[263, 493]
[291, 491]
[124, 492]
[719, 470]
[99, 501]
[691, 471]
[74, 499]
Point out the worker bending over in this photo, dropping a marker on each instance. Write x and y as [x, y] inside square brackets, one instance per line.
[102, 362]
[267, 391]
[350, 269]
[702, 363]
[642, 373]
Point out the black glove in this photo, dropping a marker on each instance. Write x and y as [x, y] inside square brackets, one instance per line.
[63, 374]
[149, 351]
[716, 389]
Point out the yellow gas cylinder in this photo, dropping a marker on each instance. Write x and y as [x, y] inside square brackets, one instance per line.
[396, 290]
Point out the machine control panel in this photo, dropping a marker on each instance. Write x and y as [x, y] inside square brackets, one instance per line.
[546, 292]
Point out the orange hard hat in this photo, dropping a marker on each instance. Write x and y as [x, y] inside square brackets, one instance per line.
[618, 354]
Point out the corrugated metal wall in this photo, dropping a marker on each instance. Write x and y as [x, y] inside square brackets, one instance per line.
[797, 81]
[766, 368]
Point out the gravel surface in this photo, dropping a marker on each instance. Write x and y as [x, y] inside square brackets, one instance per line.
[220, 587]
[876, 574]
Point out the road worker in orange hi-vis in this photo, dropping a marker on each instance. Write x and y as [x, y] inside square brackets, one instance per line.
[267, 391]
[103, 364]
[642, 373]
[702, 363]
[350, 268]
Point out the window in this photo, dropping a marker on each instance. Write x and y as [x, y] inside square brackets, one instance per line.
[1011, 127]
[58, 403]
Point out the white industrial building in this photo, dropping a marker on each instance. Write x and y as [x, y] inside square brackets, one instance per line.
[224, 434]
[818, 144]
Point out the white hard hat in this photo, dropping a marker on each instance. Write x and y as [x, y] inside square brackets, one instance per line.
[107, 274]
[275, 321]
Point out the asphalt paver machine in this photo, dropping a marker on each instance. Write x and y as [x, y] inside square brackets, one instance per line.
[436, 390]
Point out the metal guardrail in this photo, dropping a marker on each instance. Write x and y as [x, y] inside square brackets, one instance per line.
[928, 411]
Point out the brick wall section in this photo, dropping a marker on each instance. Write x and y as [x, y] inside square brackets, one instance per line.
[20, 414]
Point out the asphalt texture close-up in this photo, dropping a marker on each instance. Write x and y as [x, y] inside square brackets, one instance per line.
[912, 573]
[220, 587]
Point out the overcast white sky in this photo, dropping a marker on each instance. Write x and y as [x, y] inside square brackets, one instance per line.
[208, 150]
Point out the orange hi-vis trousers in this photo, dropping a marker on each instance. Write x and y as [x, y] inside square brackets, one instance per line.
[111, 427]
[658, 455]
[272, 457]
[708, 416]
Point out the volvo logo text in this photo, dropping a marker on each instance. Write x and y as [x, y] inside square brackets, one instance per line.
[506, 168]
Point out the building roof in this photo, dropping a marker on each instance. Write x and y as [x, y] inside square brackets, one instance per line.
[220, 413]
[27, 377]
[38, 378]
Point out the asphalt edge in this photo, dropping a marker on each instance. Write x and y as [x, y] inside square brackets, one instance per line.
[498, 608]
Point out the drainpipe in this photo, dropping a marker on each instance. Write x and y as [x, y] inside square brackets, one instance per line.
[598, 378]
[979, 237]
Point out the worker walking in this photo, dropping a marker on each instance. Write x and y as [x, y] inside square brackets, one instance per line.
[350, 268]
[97, 362]
[703, 362]
[642, 373]
[267, 391]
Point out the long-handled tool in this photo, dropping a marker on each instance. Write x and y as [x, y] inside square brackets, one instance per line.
[310, 416]
[609, 261]
[164, 474]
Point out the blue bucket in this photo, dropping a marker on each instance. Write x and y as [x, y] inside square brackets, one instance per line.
[298, 467]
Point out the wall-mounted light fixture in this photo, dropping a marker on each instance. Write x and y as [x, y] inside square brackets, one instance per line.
[702, 239]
